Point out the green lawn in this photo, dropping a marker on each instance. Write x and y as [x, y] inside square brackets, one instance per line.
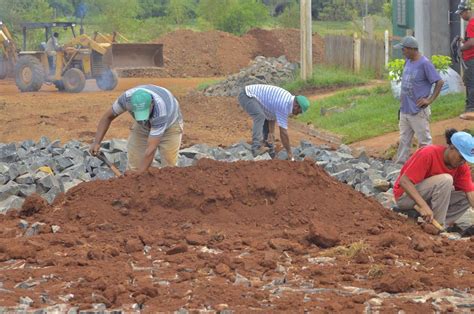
[359, 114]
[329, 77]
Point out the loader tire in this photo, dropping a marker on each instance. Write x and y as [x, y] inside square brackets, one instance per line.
[74, 80]
[107, 80]
[3, 68]
[29, 74]
[59, 85]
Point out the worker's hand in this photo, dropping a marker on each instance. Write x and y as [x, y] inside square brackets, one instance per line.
[94, 149]
[423, 102]
[425, 212]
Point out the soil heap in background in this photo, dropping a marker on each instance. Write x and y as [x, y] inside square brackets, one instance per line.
[216, 53]
[243, 235]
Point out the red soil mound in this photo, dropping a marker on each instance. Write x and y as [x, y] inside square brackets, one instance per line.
[215, 53]
[221, 235]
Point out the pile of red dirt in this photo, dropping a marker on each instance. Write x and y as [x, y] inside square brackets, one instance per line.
[239, 236]
[216, 53]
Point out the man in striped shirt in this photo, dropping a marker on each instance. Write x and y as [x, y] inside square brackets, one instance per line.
[158, 124]
[272, 103]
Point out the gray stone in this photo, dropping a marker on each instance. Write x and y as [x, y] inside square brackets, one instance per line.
[53, 145]
[71, 184]
[55, 228]
[305, 144]
[51, 194]
[23, 224]
[8, 152]
[118, 145]
[4, 168]
[75, 154]
[43, 142]
[25, 179]
[345, 149]
[73, 144]
[4, 179]
[26, 301]
[34, 229]
[43, 185]
[9, 189]
[12, 201]
[57, 151]
[184, 161]
[41, 161]
[265, 156]
[62, 163]
[189, 152]
[104, 174]
[27, 144]
[381, 185]
[310, 152]
[27, 189]
[241, 280]
[282, 155]
[343, 175]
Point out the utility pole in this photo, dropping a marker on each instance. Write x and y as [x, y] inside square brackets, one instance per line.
[306, 40]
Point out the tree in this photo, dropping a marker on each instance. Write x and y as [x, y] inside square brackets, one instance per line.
[179, 11]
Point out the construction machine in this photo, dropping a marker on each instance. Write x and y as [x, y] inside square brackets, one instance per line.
[80, 59]
[8, 51]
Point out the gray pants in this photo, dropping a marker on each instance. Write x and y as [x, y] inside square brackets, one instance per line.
[447, 204]
[419, 125]
[255, 111]
[468, 78]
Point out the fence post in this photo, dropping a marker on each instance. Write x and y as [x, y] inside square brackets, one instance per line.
[357, 47]
[387, 47]
[306, 40]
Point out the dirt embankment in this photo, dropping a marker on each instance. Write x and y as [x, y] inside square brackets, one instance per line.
[215, 53]
[223, 235]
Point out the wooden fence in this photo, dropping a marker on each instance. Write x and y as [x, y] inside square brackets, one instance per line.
[354, 53]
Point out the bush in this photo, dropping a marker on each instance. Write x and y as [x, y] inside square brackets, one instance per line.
[395, 67]
[233, 16]
[290, 17]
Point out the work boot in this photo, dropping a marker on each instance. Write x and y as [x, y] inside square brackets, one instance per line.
[260, 151]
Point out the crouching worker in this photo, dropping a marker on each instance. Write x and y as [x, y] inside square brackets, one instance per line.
[438, 180]
[272, 103]
[158, 124]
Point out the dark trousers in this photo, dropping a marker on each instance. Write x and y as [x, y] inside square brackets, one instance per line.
[468, 79]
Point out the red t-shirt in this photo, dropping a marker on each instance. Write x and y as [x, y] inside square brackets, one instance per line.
[469, 53]
[428, 161]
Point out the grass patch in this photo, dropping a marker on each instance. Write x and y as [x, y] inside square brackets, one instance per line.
[376, 271]
[327, 77]
[202, 86]
[358, 114]
[347, 251]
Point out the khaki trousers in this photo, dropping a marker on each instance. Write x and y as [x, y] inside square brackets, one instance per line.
[169, 145]
[447, 204]
[418, 125]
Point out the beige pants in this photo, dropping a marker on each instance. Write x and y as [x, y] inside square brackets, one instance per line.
[418, 125]
[447, 204]
[169, 145]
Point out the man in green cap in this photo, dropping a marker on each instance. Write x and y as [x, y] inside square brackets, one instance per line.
[267, 102]
[158, 124]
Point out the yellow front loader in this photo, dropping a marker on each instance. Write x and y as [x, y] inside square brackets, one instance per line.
[80, 59]
[8, 53]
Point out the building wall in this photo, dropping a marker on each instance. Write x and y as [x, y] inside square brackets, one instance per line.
[432, 28]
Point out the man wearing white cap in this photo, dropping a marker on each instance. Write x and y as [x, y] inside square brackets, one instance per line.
[438, 180]
[418, 78]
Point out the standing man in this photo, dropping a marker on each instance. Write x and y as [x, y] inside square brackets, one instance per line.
[51, 47]
[418, 77]
[467, 49]
[158, 124]
[266, 102]
[438, 180]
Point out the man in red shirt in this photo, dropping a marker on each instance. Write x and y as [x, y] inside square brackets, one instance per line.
[464, 10]
[438, 180]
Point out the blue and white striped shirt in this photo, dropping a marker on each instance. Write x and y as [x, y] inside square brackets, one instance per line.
[276, 102]
[165, 110]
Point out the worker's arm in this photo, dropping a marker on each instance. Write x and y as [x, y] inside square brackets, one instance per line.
[150, 151]
[271, 131]
[423, 102]
[102, 128]
[285, 140]
[468, 44]
[413, 193]
[470, 198]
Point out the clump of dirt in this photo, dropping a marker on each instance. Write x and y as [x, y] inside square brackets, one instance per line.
[33, 204]
[220, 236]
[216, 53]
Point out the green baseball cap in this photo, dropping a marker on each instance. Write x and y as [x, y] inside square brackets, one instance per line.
[303, 102]
[141, 103]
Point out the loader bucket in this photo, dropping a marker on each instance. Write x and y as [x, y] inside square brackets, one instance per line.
[129, 55]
